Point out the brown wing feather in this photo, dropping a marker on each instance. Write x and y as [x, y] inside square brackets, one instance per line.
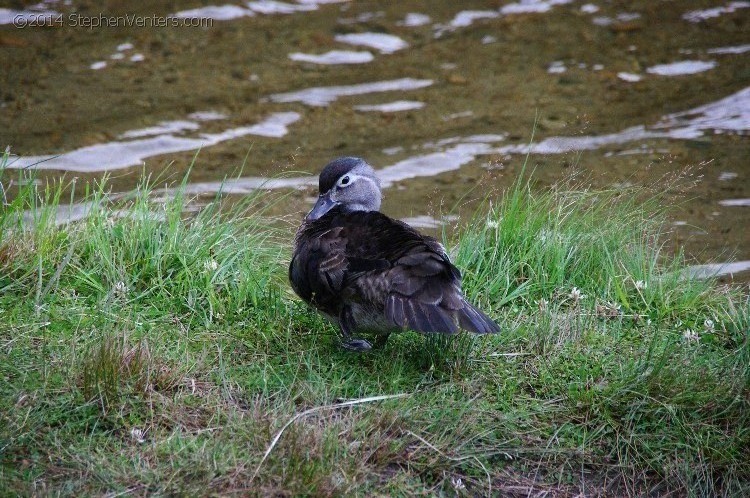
[387, 265]
[423, 286]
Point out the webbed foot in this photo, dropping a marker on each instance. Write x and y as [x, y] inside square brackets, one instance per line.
[347, 324]
[358, 345]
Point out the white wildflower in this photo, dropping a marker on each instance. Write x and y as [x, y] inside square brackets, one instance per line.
[120, 289]
[640, 284]
[458, 483]
[690, 336]
[708, 324]
[210, 265]
[493, 224]
[611, 310]
[576, 294]
[139, 435]
[543, 304]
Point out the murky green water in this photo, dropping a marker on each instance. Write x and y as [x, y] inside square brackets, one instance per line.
[487, 81]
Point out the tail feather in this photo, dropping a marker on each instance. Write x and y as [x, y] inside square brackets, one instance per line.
[429, 319]
[439, 321]
[406, 313]
[473, 320]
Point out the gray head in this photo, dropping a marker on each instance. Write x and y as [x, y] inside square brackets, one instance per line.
[348, 182]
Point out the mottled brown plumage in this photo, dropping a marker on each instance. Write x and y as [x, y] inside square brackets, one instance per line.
[368, 272]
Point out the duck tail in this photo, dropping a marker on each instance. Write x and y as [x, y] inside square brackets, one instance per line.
[407, 313]
[473, 320]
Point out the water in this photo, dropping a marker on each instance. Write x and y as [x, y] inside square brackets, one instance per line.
[441, 97]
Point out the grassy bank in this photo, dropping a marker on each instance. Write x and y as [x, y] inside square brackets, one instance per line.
[144, 351]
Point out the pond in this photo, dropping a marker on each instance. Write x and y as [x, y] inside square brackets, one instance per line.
[448, 100]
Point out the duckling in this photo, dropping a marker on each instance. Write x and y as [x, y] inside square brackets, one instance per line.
[370, 273]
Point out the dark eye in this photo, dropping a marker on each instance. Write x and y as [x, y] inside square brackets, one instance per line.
[344, 180]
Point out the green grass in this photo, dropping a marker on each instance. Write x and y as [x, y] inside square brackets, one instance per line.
[145, 351]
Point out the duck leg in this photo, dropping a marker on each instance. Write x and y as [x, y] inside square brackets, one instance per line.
[346, 322]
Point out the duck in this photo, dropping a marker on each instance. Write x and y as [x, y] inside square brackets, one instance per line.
[369, 273]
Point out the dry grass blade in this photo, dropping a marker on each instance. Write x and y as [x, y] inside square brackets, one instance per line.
[353, 402]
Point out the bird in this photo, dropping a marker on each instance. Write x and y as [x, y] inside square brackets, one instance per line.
[370, 273]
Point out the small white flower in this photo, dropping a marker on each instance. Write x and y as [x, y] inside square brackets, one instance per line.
[640, 284]
[690, 336]
[120, 289]
[458, 483]
[543, 304]
[210, 265]
[492, 224]
[611, 310]
[139, 435]
[708, 324]
[576, 294]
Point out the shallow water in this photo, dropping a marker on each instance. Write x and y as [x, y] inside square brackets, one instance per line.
[443, 98]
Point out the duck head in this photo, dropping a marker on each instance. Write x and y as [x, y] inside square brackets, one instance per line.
[348, 182]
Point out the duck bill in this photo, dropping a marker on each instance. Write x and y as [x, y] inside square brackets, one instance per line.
[324, 204]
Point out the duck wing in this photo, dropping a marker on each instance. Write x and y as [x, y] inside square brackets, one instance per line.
[367, 257]
[410, 275]
[318, 266]
[326, 261]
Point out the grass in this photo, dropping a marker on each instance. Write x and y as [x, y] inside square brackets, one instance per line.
[145, 351]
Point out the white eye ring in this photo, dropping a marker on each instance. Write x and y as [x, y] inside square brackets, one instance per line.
[344, 181]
